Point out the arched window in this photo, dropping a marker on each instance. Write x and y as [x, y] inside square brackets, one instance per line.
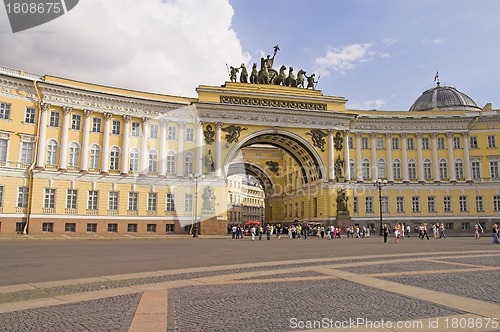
[52, 152]
[459, 168]
[188, 163]
[114, 161]
[427, 169]
[412, 169]
[134, 160]
[153, 162]
[95, 154]
[443, 169]
[396, 167]
[381, 169]
[74, 152]
[366, 169]
[171, 162]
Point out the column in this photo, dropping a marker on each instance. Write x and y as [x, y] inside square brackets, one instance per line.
[180, 150]
[144, 167]
[390, 167]
[435, 161]
[218, 149]
[125, 153]
[468, 171]
[63, 157]
[199, 145]
[331, 157]
[347, 158]
[42, 135]
[85, 141]
[359, 161]
[163, 148]
[420, 162]
[374, 156]
[451, 159]
[404, 156]
[105, 143]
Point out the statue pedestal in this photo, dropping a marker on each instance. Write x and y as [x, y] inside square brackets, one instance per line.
[343, 221]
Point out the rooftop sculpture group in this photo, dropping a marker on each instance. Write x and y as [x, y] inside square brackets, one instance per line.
[268, 75]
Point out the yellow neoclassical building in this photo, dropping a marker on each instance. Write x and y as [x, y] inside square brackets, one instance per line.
[78, 158]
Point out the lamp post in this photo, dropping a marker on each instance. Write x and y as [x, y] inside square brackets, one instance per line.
[262, 214]
[196, 178]
[379, 184]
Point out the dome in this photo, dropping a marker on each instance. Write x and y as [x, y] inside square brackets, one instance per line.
[444, 98]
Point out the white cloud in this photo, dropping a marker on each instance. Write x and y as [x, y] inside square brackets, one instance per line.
[437, 41]
[367, 105]
[389, 41]
[156, 46]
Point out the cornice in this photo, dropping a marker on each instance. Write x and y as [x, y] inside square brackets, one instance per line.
[17, 88]
[411, 124]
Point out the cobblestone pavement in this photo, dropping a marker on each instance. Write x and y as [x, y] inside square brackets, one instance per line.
[430, 291]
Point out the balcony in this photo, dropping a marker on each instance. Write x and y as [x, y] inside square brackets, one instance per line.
[48, 210]
[70, 211]
[92, 212]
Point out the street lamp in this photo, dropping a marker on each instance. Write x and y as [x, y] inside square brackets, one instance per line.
[379, 184]
[262, 214]
[196, 178]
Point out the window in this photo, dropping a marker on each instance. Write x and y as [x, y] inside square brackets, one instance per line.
[476, 169]
[449, 226]
[134, 160]
[315, 206]
[491, 141]
[115, 127]
[396, 166]
[29, 115]
[364, 143]
[153, 131]
[441, 145]
[443, 169]
[20, 227]
[366, 169]
[3, 149]
[456, 143]
[26, 153]
[465, 226]
[171, 162]
[92, 202]
[170, 206]
[380, 143]
[493, 169]
[351, 167]
[410, 143]
[54, 119]
[4, 111]
[427, 169]
[153, 162]
[302, 210]
[169, 228]
[473, 142]
[70, 227]
[496, 203]
[74, 151]
[49, 201]
[91, 228]
[112, 228]
[385, 204]
[135, 129]
[395, 143]
[351, 142]
[114, 162]
[188, 202]
[463, 204]
[132, 228]
[95, 153]
[76, 121]
[447, 203]
[47, 227]
[113, 200]
[132, 201]
[369, 204]
[96, 125]
[415, 204]
[381, 168]
[171, 133]
[459, 169]
[51, 152]
[190, 134]
[22, 197]
[425, 143]
[71, 198]
[152, 201]
[479, 204]
[188, 163]
[151, 228]
[412, 169]
[1, 195]
[400, 204]
[355, 204]
[431, 204]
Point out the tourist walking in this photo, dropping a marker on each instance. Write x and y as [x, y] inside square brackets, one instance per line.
[441, 231]
[386, 232]
[424, 231]
[253, 230]
[477, 226]
[495, 234]
[408, 230]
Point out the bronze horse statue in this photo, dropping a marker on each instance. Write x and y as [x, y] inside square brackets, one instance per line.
[280, 79]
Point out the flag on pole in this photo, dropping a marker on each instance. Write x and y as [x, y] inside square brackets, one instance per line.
[436, 78]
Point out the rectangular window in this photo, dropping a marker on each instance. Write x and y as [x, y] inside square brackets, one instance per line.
[1, 195]
[441, 145]
[170, 202]
[463, 203]
[3, 149]
[459, 169]
[153, 131]
[54, 119]
[22, 197]
[188, 202]
[473, 142]
[152, 201]
[115, 127]
[476, 169]
[496, 203]
[415, 204]
[400, 204]
[449, 226]
[169, 228]
[447, 204]
[465, 226]
[491, 141]
[396, 167]
[425, 143]
[380, 143]
[431, 204]
[302, 210]
[76, 121]
[410, 143]
[136, 127]
[4, 111]
[171, 133]
[71, 198]
[315, 206]
[479, 204]
[132, 201]
[91, 228]
[113, 200]
[351, 143]
[70, 227]
[48, 227]
[355, 204]
[112, 228]
[151, 228]
[96, 125]
[494, 169]
[132, 228]
[443, 170]
[456, 143]
[364, 143]
[29, 115]
[395, 143]
[369, 204]
[385, 204]
[92, 202]
[190, 134]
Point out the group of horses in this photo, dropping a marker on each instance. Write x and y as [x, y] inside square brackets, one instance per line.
[268, 75]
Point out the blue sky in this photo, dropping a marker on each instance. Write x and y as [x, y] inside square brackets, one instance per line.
[378, 54]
